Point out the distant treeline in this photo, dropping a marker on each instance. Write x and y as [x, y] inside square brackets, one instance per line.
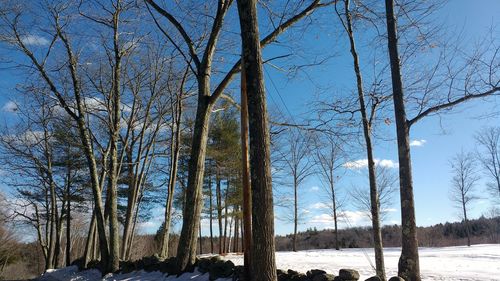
[483, 231]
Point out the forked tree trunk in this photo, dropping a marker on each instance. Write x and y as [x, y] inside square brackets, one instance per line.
[374, 197]
[263, 259]
[408, 266]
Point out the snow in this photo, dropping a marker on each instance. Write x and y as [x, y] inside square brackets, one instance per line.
[478, 262]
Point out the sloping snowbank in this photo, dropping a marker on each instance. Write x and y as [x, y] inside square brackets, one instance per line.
[479, 262]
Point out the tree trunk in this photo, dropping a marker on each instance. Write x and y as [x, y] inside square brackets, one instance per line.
[131, 203]
[245, 176]
[89, 253]
[211, 213]
[219, 207]
[295, 214]
[175, 147]
[374, 198]
[186, 250]
[236, 229]
[201, 241]
[408, 266]
[68, 226]
[224, 243]
[334, 204]
[263, 247]
[466, 221]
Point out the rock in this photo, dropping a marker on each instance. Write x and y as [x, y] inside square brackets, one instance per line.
[374, 278]
[151, 263]
[348, 274]
[221, 269]
[313, 272]
[239, 273]
[292, 272]
[298, 277]
[282, 275]
[169, 266]
[323, 277]
[396, 278]
[127, 266]
[204, 265]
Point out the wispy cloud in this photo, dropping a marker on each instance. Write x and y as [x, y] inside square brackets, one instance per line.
[35, 40]
[319, 205]
[314, 188]
[10, 106]
[417, 142]
[363, 163]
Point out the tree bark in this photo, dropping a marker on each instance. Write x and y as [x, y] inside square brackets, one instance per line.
[408, 266]
[245, 177]
[175, 147]
[263, 247]
[186, 250]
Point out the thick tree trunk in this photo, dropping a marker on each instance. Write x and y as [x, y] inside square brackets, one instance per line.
[408, 266]
[374, 197]
[186, 250]
[263, 247]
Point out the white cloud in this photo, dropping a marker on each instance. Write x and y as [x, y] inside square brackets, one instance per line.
[417, 142]
[314, 188]
[319, 205]
[35, 40]
[10, 106]
[363, 163]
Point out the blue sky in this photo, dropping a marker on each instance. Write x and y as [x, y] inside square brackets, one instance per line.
[431, 171]
[443, 136]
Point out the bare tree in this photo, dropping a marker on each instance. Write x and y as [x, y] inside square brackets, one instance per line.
[329, 159]
[297, 161]
[366, 119]
[489, 141]
[386, 184]
[463, 184]
[476, 77]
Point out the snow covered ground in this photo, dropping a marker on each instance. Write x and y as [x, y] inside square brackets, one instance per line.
[479, 262]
